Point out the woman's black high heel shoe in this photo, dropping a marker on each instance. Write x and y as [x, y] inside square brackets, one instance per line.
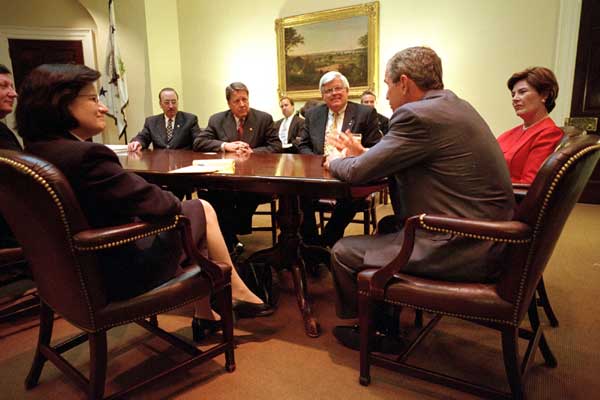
[202, 328]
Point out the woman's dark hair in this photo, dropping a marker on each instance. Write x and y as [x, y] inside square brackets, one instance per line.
[541, 79]
[44, 98]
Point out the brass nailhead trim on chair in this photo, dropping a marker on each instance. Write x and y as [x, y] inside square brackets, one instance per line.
[28, 171]
[542, 214]
[533, 238]
[399, 303]
[129, 239]
[470, 235]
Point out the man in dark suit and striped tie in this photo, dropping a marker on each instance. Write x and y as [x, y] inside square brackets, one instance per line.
[172, 129]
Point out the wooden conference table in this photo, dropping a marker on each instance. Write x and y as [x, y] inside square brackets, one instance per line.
[289, 176]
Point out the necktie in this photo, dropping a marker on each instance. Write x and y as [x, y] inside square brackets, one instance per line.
[240, 129]
[327, 148]
[169, 129]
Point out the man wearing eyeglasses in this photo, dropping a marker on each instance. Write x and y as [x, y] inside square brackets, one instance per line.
[335, 116]
[173, 129]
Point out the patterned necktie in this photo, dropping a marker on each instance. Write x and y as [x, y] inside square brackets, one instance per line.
[169, 129]
[240, 128]
[327, 148]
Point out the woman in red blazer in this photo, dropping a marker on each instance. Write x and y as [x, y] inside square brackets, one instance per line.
[526, 146]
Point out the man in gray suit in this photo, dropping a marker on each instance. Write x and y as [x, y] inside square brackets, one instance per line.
[173, 129]
[441, 158]
[241, 130]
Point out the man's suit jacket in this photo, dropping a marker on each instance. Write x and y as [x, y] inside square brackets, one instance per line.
[109, 195]
[294, 130]
[185, 131]
[358, 118]
[8, 139]
[259, 132]
[383, 123]
[441, 158]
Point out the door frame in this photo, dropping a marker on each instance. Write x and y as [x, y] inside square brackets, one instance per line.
[565, 56]
[85, 36]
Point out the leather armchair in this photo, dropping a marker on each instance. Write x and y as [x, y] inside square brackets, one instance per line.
[501, 305]
[520, 190]
[36, 198]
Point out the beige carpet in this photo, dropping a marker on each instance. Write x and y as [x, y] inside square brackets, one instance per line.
[275, 360]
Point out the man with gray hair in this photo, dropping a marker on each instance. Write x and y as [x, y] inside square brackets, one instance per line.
[441, 158]
[241, 130]
[335, 116]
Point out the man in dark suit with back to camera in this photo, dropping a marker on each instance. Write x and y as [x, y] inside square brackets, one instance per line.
[335, 116]
[8, 141]
[368, 99]
[173, 129]
[290, 126]
[241, 130]
[441, 158]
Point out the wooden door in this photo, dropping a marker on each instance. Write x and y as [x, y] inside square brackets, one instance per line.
[585, 104]
[27, 54]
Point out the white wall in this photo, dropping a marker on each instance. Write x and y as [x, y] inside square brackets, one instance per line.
[481, 42]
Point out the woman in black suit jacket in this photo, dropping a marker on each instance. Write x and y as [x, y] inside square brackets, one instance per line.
[58, 112]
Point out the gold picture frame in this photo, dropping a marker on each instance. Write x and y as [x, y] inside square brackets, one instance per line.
[328, 40]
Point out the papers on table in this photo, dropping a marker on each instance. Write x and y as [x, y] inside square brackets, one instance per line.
[118, 148]
[221, 165]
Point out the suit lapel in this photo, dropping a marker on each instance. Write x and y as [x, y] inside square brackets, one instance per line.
[349, 117]
[321, 124]
[177, 123]
[523, 139]
[249, 127]
[160, 129]
[292, 127]
[229, 127]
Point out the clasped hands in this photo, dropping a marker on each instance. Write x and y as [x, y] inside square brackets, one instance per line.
[346, 144]
[238, 147]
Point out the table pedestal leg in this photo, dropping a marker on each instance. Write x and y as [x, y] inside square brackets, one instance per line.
[287, 255]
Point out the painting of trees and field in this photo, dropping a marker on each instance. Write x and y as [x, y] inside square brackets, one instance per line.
[314, 49]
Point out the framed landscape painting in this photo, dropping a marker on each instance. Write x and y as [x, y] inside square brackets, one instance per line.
[343, 39]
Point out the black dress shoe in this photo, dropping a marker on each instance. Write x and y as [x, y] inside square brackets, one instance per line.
[349, 336]
[202, 328]
[245, 309]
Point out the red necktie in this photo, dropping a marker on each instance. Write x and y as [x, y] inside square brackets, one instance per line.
[240, 129]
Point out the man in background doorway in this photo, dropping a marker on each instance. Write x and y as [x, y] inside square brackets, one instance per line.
[290, 126]
[368, 98]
